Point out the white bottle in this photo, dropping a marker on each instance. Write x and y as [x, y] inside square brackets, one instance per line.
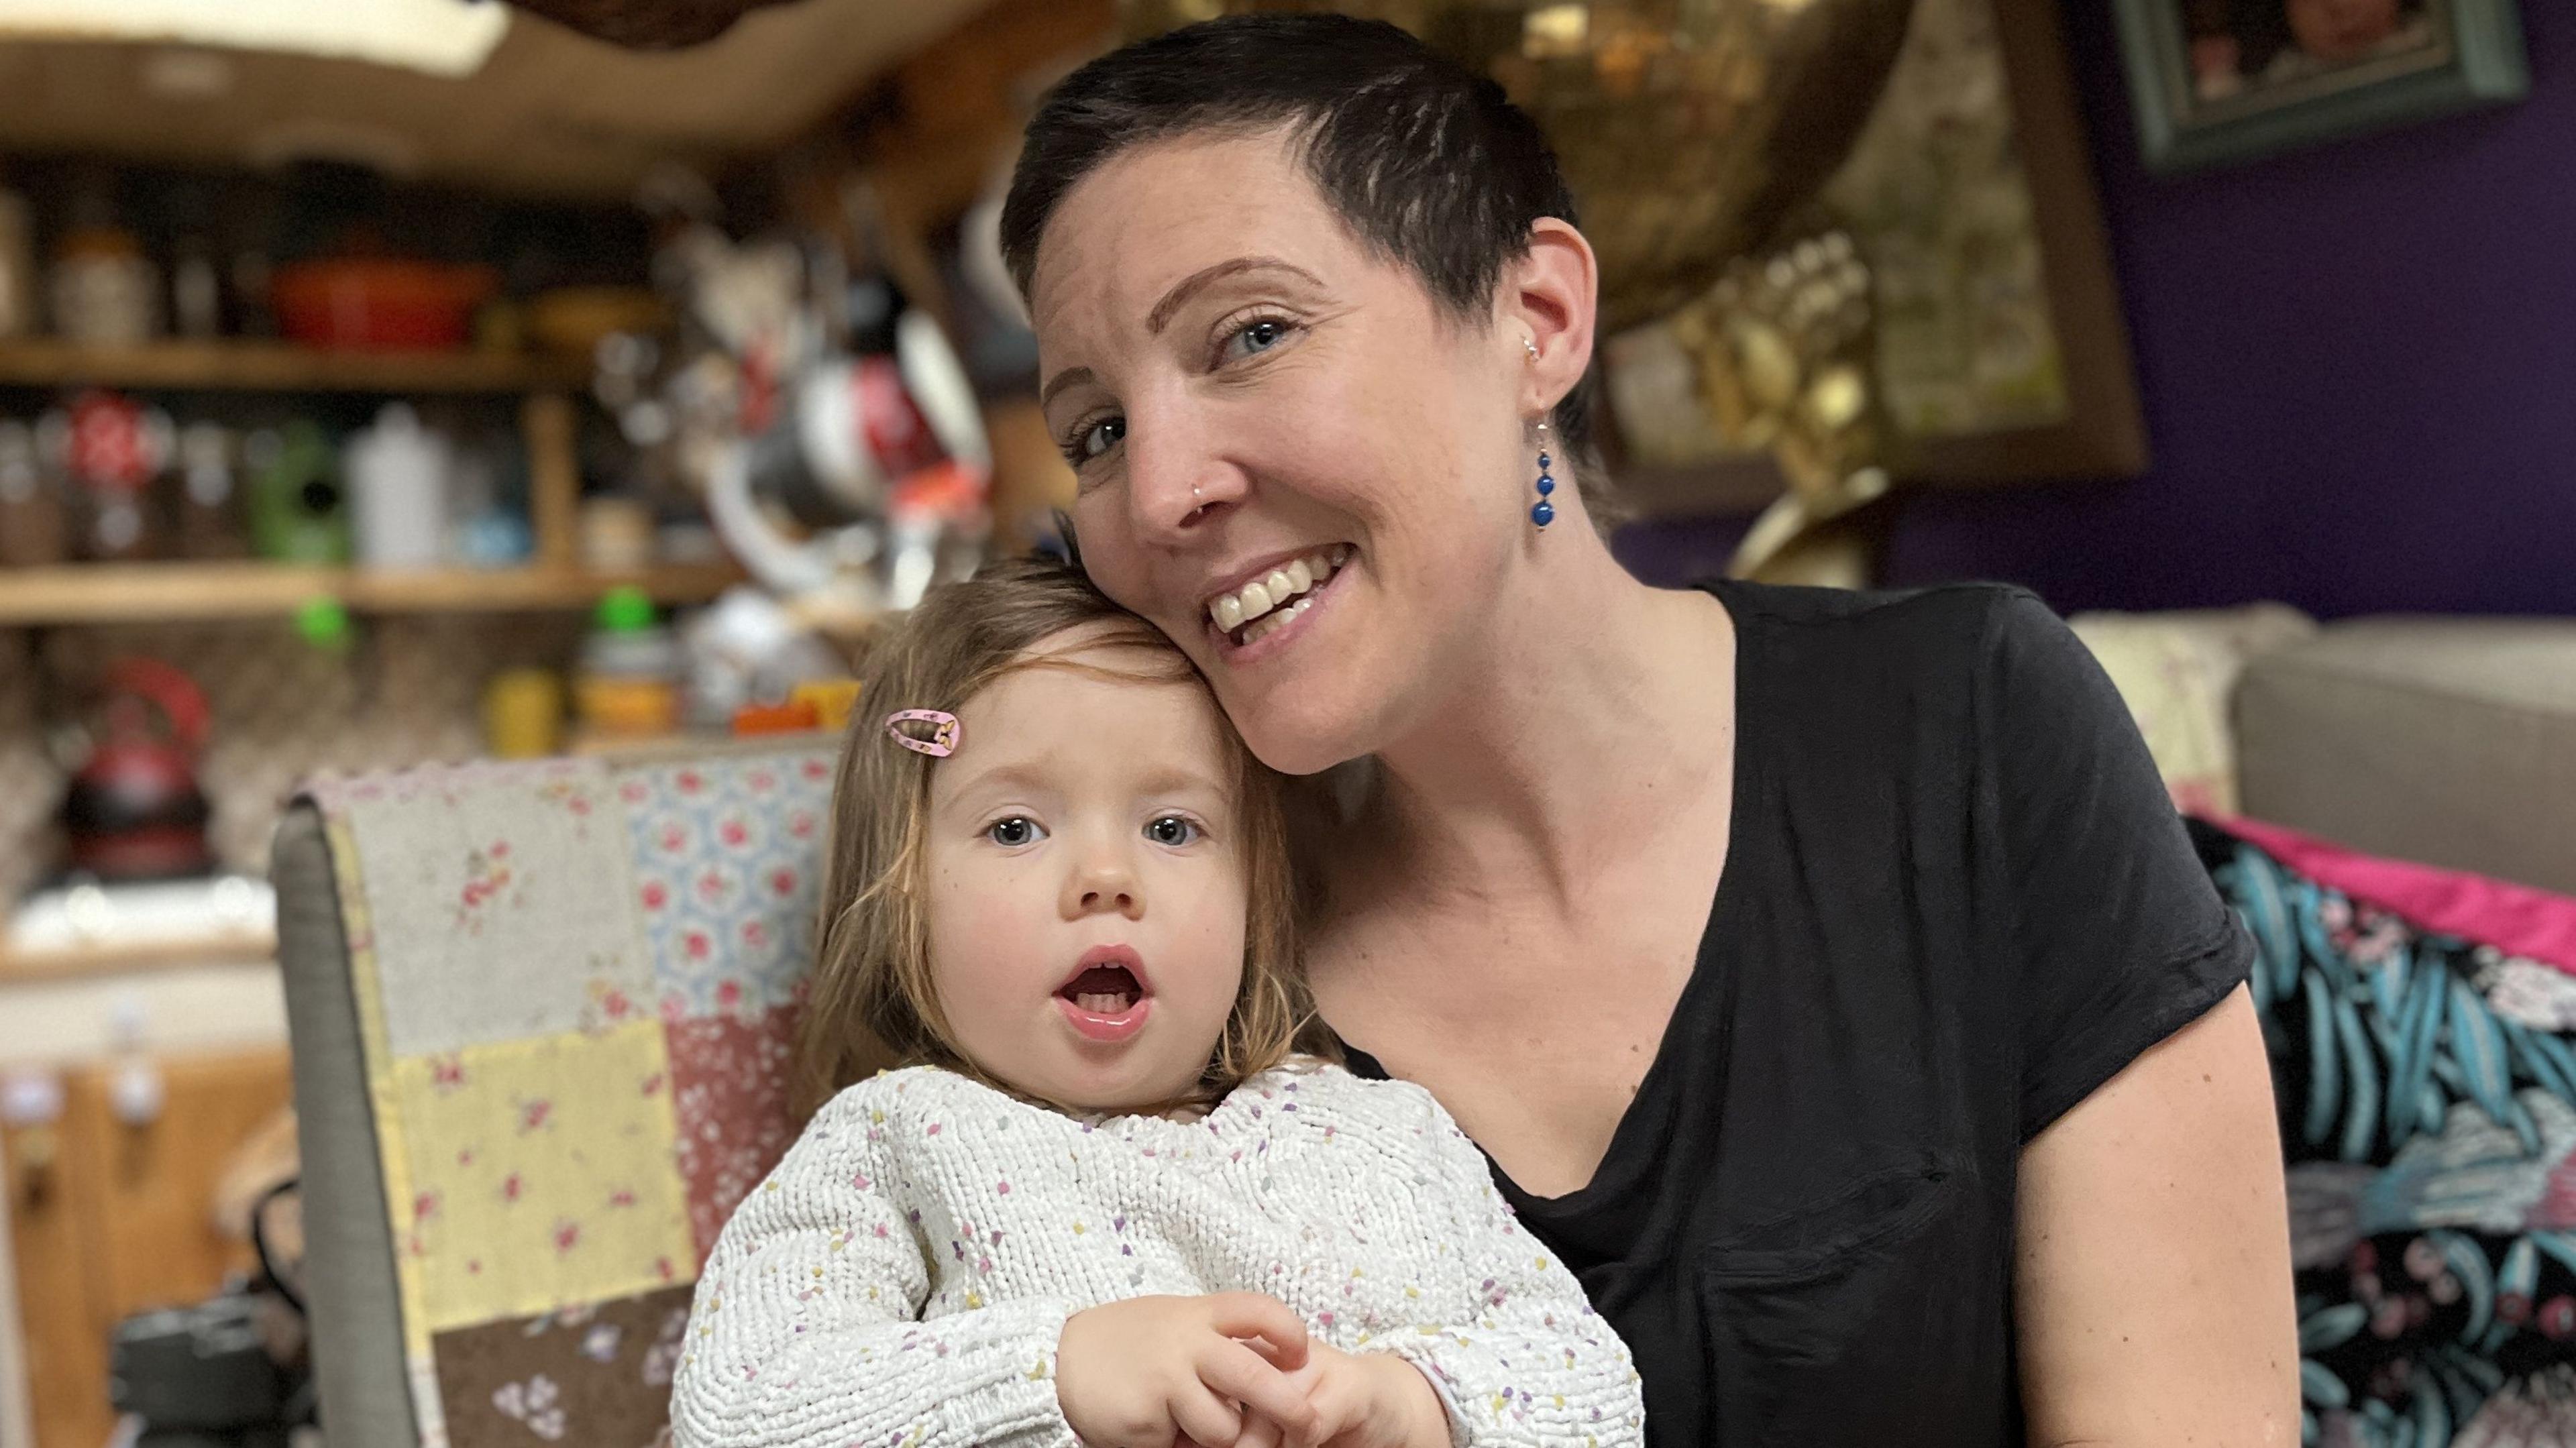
[398, 480]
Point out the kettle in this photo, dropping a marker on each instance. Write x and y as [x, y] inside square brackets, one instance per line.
[134, 811]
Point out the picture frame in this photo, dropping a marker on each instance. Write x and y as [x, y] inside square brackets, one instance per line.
[2092, 426]
[2221, 82]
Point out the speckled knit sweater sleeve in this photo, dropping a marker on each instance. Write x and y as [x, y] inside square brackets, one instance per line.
[905, 1273]
[806, 1330]
[1529, 1363]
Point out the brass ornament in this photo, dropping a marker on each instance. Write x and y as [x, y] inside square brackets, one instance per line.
[1689, 129]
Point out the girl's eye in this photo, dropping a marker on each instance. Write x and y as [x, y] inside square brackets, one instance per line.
[1014, 832]
[1172, 830]
[1255, 336]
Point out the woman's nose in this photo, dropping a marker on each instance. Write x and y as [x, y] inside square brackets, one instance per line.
[1176, 481]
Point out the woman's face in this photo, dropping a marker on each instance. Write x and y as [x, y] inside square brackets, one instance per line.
[1252, 396]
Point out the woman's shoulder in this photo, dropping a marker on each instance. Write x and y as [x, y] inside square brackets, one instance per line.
[1962, 616]
[1951, 642]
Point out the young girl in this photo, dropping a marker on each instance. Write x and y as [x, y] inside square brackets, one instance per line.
[1105, 1202]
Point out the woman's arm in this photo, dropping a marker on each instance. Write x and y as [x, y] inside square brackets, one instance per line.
[2153, 1273]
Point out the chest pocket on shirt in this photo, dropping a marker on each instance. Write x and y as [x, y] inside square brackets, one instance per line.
[1865, 1318]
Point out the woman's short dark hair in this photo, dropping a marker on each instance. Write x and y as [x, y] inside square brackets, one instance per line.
[1426, 161]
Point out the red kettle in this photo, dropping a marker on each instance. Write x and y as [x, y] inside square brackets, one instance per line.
[134, 811]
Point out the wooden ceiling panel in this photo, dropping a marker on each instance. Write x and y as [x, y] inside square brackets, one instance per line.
[551, 113]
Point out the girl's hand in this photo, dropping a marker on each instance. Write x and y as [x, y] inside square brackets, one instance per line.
[1152, 1372]
[1367, 1400]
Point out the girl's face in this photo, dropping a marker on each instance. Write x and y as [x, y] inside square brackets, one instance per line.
[1087, 892]
[1252, 396]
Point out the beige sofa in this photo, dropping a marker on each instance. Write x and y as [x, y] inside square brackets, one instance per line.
[2448, 741]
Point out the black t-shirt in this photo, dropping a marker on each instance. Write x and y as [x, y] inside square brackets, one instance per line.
[1956, 901]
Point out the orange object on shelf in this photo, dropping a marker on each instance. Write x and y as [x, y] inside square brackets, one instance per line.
[628, 707]
[382, 304]
[791, 717]
[573, 320]
[833, 701]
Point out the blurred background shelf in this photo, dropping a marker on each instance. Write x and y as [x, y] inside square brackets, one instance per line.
[240, 366]
[117, 593]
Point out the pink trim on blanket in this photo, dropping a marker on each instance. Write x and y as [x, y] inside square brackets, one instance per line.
[2515, 919]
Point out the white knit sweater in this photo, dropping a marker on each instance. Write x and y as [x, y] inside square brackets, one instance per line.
[902, 1277]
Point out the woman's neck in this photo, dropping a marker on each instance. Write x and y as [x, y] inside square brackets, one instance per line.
[1588, 704]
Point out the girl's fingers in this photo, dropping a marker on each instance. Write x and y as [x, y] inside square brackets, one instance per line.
[1250, 1314]
[1333, 1407]
[1259, 1431]
[1233, 1370]
[1204, 1417]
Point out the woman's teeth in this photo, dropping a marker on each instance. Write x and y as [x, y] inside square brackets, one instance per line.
[1104, 1003]
[1268, 603]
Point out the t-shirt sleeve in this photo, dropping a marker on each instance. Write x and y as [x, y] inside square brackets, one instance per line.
[2118, 937]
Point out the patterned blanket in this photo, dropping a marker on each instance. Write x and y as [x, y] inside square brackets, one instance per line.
[2427, 1087]
[576, 984]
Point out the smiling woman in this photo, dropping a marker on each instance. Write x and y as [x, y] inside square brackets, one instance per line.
[1825, 976]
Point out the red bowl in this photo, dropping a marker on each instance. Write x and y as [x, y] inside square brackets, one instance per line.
[381, 305]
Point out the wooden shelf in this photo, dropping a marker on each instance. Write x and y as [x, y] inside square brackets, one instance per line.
[71, 963]
[281, 367]
[145, 592]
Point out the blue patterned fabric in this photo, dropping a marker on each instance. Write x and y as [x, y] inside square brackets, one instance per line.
[2427, 1088]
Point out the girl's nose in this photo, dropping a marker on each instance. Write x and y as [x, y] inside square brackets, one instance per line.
[1103, 884]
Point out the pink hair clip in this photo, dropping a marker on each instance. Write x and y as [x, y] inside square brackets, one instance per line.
[944, 738]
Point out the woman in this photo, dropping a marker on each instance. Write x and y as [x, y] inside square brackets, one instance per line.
[1825, 975]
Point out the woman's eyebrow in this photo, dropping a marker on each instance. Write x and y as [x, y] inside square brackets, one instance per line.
[1059, 382]
[1179, 296]
[1205, 277]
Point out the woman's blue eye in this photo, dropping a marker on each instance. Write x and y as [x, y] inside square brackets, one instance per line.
[1258, 336]
[1099, 438]
[1014, 832]
[1172, 830]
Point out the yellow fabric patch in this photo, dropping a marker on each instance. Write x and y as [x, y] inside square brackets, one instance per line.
[540, 1174]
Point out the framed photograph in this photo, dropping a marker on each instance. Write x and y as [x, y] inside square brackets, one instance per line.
[2215, 81]
[1999, 347]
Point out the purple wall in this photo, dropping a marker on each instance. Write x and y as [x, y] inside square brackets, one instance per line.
[2358, 364]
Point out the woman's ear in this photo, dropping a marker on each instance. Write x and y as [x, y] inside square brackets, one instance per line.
[1547, 297]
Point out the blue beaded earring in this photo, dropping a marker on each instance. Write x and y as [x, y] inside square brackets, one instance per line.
[1542, 512]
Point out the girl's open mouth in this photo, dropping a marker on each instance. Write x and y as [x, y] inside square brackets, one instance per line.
[1105, 999]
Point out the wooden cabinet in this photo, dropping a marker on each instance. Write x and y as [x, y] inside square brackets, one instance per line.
[107, 1219]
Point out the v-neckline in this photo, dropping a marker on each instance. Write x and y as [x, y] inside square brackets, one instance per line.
[1629, 1152]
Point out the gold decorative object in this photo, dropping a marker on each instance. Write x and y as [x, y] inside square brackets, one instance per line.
[1783, 347]
[1688, 128]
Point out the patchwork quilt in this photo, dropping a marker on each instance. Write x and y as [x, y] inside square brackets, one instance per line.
[576, 984]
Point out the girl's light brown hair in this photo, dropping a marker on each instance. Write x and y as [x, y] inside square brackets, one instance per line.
[872, 1002]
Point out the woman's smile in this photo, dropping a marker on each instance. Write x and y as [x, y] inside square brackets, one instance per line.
[1272, 599]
